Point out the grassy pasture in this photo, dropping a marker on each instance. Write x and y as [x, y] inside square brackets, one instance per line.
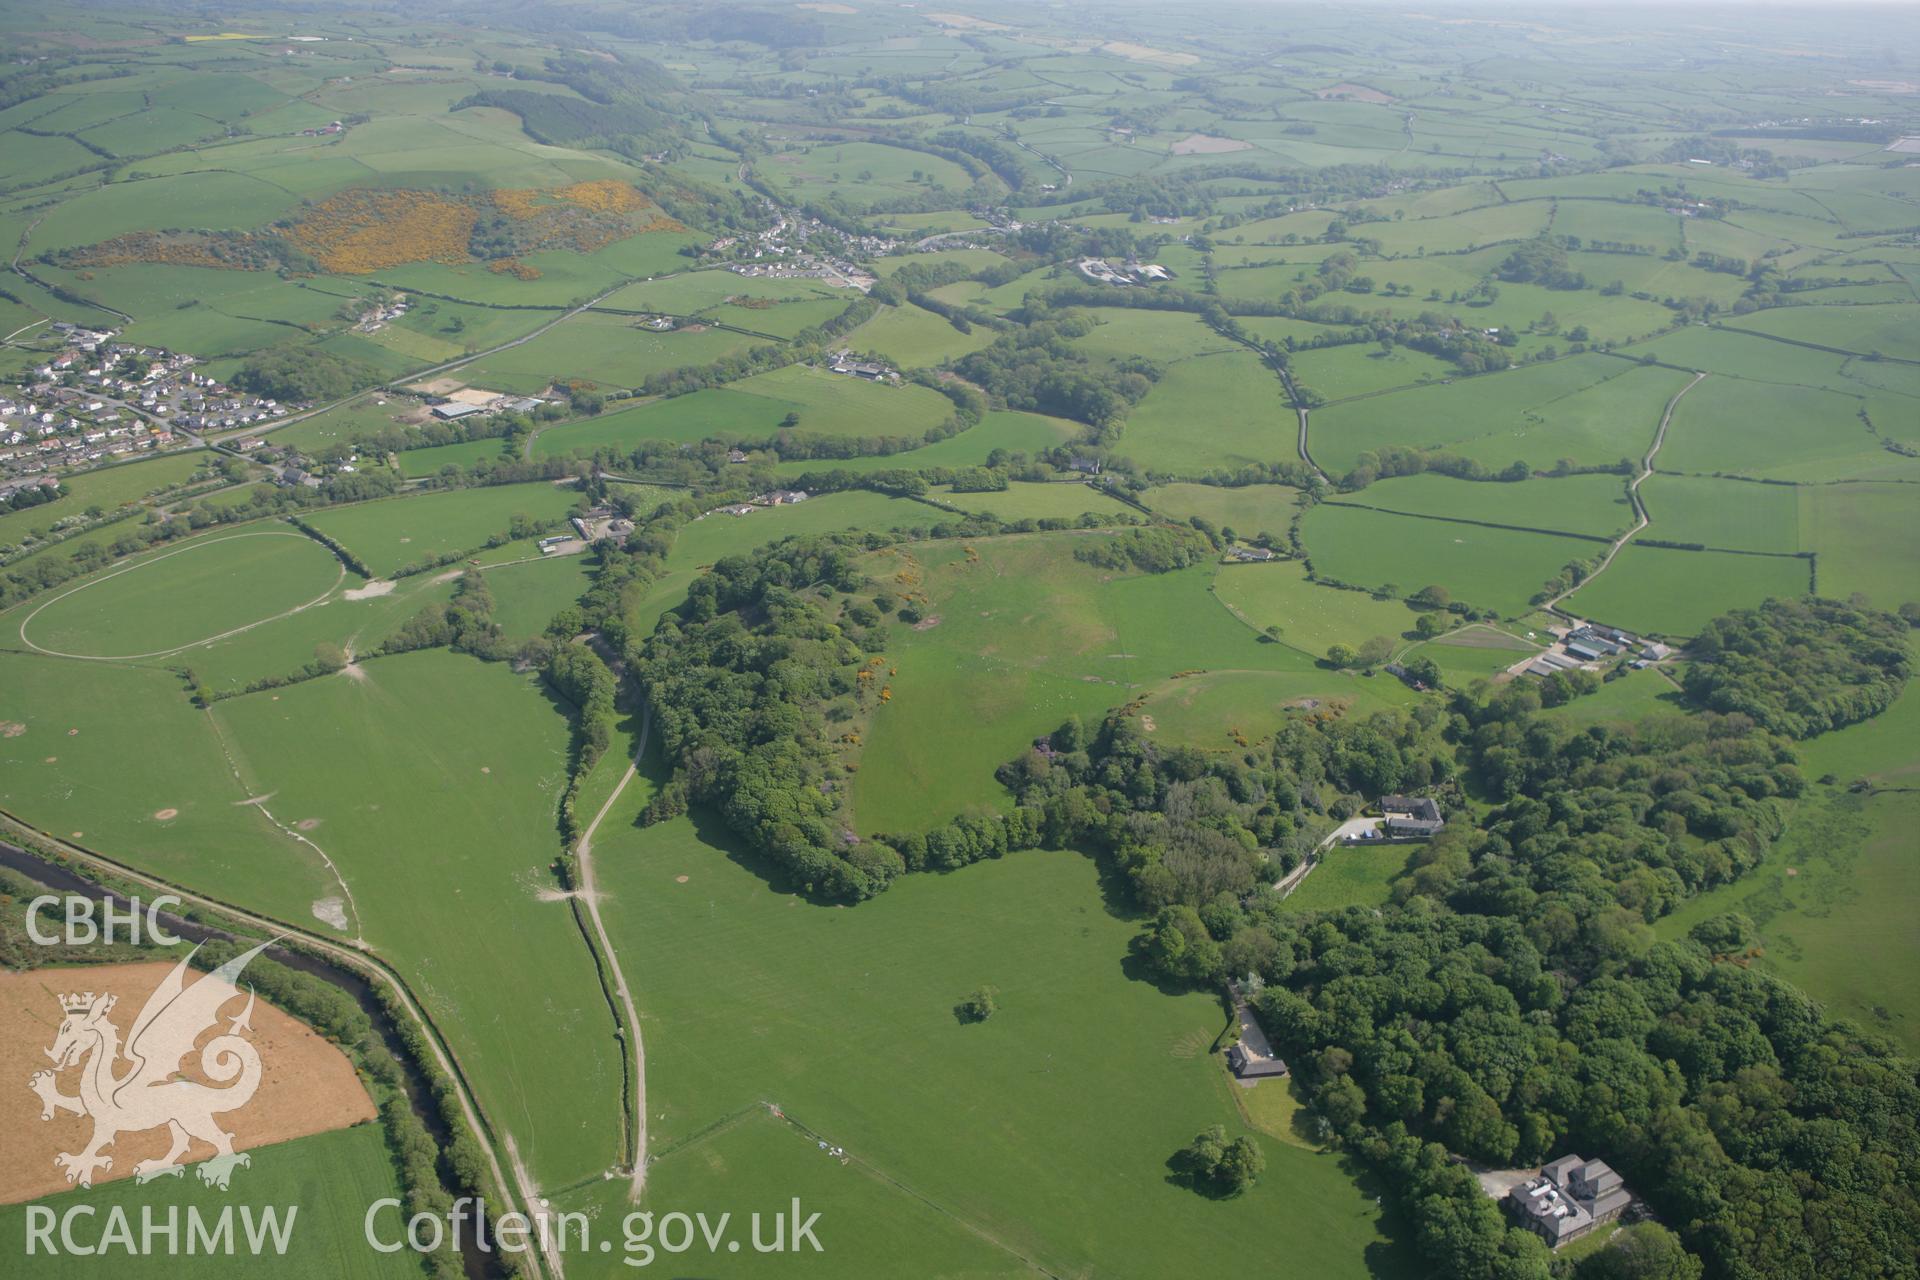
[1592, 504]
[914, 338]
[526, 596]
[1221, 710]
[1011, 430]
[1832, 902]
[1023, 501]
[1492, 568]
[1867, 537]
[71, 770]
[415, 463]
[1351, 877]
[835, 404]
[1164, 336]
[1588, 408]
[331, 1177]
[1731, 514]
[1248, 510]
[435, 779]
[1026, 635]
[608, 349]
[1891, 329]
[1361, 367]
[1673, 593]
[179, 595]
[716, 413]
[713, 537]
[1765, 429]
[859, 172]
[1211, 411]
[1310, 616]
[395, 532]
[1005, 1153]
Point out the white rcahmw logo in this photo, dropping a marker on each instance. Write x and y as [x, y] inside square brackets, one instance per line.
[143, 1094]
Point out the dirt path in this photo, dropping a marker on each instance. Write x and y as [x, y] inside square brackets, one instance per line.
[1641, 518]
[589, 896]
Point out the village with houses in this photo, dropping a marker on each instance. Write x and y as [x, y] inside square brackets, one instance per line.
[93, 399]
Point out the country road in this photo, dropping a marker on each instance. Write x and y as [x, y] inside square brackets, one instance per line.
[1642, 519]
[589, 894]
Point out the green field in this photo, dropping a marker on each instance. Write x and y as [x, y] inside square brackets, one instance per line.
[526, 596]
[434, 778]
[1739, 427]
[1497, 569]
[1589, 504]
[1025, 637]
[914, 338]
[323, 1184]
[1727, 514]
[1867, 537]
[1211, 411]
[1310, 616]
[1018, 501]
[1619, 201]
[1832, 905]
[1249, 510]
[1673, 592]
[1011, 431]
[185, 595]
[611, 350]
[1006, 1160]
[393, 534]
[1351, 877]
[1589, 409]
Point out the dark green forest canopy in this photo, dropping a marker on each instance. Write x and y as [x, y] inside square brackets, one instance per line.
[1801, 667]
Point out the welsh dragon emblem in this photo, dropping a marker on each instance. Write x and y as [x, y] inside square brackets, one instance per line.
[144, 1093]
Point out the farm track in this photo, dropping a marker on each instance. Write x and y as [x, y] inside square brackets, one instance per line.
[589, 897]
[1642, 519]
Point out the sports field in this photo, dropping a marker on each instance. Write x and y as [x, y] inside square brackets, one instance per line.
[233, 581]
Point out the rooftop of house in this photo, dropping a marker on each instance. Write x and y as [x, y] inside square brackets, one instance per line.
[1422, 808]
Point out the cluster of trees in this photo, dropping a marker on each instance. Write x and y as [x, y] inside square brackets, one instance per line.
[1392, 460]
[1800, 667]
[1037, 367]
[739, 678]
[1541, 261]
[1213, 1165]
[301, 375]
[464, 623]
[32, 495]
[560, 121]
[583, 678]
[1156, 548]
